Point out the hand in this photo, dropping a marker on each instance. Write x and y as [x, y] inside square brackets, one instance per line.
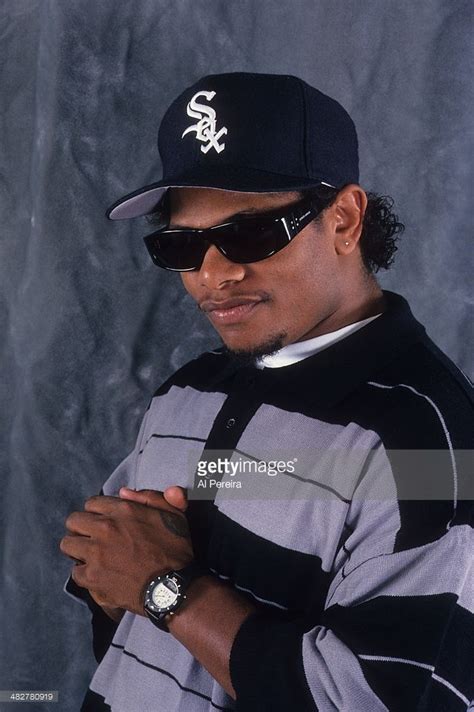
[175, 496]
[123, 544]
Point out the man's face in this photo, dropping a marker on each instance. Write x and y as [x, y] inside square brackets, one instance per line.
[291, 292]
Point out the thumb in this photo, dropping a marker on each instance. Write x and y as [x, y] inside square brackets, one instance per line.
[148, 497]
[173, 497]
[177, 497]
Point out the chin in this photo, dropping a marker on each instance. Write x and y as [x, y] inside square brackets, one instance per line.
[247, 350]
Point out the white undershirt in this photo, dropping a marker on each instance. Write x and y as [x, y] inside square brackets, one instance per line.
[302, 349]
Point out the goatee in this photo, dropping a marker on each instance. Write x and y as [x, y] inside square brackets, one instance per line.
[248, 357]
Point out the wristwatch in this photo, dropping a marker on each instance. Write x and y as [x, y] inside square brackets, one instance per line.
[165, 594]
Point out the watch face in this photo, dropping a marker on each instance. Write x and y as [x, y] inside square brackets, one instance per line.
[165, 593]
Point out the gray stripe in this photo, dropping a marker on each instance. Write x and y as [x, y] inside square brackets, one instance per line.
[273, 430]
[373, 519]
[334, 675]
[128, 684]
[307, 480]
[171, 437]
[415, 572]
[157, 463]
[293, 513]
[170, 675]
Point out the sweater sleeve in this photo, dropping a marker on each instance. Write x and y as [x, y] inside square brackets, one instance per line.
[397, 631]
[103, 627]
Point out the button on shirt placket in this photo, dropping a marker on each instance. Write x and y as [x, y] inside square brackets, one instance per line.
[238, 409]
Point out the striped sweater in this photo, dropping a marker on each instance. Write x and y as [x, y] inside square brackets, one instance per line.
[359, 556]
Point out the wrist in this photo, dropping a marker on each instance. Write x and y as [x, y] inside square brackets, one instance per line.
[196, 595]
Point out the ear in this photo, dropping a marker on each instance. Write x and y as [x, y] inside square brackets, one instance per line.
[349, 209]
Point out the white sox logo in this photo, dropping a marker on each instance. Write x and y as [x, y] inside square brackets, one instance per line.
[206, 126]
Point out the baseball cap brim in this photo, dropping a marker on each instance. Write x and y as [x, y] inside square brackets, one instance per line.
[246, 180]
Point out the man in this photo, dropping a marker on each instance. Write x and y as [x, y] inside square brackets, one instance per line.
[293, 528]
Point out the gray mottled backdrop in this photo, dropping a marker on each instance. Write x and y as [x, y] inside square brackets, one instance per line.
[89, 326]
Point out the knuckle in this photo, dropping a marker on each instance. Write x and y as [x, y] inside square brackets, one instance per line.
[91, 571]
[104, 524]
[128, 508]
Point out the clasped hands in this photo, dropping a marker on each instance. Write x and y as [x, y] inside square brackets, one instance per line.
[120, 543]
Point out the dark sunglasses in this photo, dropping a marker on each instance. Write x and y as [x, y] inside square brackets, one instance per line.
[244, 240]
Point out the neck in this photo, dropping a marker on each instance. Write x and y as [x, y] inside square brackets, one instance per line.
[355, 306]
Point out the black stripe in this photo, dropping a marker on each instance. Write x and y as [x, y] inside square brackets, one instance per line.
[103, 631]
[265, 568]
[94, 703]
[208, 372]
[404, 688]
[176, 437]
[172, 677]
[201, 513]
[266, 666]
[431, 629]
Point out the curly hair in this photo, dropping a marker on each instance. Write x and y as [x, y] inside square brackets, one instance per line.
[380, 229]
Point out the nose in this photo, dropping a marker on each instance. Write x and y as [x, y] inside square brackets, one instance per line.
[216, 269]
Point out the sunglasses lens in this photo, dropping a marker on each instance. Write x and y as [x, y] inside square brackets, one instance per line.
[252, 242]
[176, 251]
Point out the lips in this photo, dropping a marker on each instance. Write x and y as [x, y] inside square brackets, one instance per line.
[209, 305]
[230, 311]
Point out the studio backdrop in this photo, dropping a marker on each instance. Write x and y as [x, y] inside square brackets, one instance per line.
[90, 327]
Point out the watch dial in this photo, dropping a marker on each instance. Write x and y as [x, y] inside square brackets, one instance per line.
[165, 593]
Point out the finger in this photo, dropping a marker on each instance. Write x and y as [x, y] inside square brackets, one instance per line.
[177, 497]
[102, 504]
[81, 522]
[76, 547]
[78, 575]
[98, 598]
[148, 497]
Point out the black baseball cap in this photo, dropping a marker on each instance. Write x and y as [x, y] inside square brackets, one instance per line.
[249, 132]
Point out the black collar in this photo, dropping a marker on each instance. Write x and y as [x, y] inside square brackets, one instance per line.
[338, 369]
